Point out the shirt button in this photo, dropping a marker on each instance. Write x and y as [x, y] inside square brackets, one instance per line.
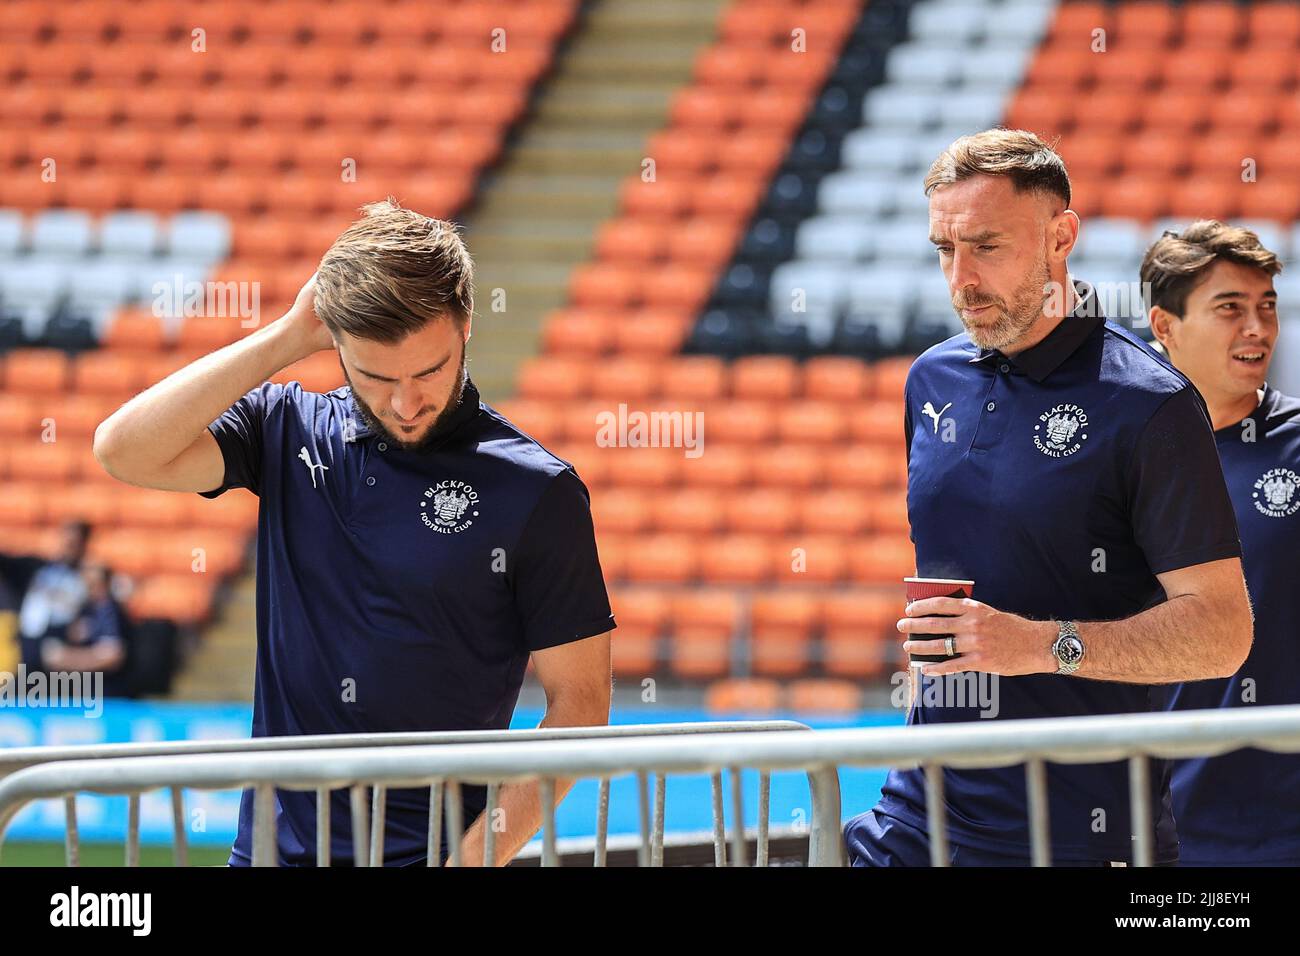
[383, 446]
[370, 480]
[991, 405]
[1004, 367]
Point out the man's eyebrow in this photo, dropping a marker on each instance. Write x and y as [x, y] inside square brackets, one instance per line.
[385, 378]
[1234, 294]
[984, 236]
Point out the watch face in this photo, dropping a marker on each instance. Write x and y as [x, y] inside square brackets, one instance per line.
[1071, 650]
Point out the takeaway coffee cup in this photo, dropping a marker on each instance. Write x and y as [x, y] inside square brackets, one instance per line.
[918, 588]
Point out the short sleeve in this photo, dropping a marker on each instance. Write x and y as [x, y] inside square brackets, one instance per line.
[1178, 499]
[555, 574]
[239, 435]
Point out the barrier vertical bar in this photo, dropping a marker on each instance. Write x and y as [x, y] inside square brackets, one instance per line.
[602, 822]
[322, 826]
[71, 839]
[180, 842]
[657, 831]
[435, 824]
[738, 812]
[265, 852]
[133, 830]
[1040, 833]
[360, 826]
[719, 826]
[547, 791]
[935, 816]
[1139, 788]
[378, 807]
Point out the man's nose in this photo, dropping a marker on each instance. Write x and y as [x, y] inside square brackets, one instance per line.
[963, 275]
[406, 404]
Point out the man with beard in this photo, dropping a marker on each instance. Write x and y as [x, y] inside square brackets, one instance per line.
[415, 549]
[1074, 478]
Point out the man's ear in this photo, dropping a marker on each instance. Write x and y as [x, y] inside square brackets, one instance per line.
[1162, 324]
[1065, 233]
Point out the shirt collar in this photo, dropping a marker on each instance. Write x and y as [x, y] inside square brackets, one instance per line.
[1064, 340]
[1262, 414]
[468, 409]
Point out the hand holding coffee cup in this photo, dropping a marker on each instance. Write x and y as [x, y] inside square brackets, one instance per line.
[919, 588]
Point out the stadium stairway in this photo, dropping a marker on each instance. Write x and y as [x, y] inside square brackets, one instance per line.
[222, 664]
[539, 212]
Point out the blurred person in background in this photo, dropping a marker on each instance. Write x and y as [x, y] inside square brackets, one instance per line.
[94, 640]
[55, 595]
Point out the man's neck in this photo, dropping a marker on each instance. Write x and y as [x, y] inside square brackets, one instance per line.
[1231, 410]
[1042, 328]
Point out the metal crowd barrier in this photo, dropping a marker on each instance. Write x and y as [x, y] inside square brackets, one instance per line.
[20, 758]
[1136, 738]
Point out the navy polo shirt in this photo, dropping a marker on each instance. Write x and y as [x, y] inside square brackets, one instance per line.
[1244, 807]
[1060, 482]
[400, 590]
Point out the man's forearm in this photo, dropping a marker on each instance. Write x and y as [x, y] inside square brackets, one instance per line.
[518, 814]
[1184, 638]
[155, 426]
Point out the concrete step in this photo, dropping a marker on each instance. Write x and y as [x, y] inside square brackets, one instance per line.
[593, 162]
[562, 250]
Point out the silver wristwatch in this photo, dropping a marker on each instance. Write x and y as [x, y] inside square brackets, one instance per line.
[1068, 648]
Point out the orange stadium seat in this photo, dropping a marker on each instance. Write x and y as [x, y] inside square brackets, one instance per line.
[781, 632]
[626, 378]
[833, 511]
[653, 331]
[703, 623]
[1272, 26]
[696, 377]
[858, 629]
[741, 422]
[791, 466]
[722, 467]
[37, 371]
[186, 599]
[23, 503]
[622, 510]
[884, 559]
[698, 511]
[670, 558]
[813, 696]
[764, 511]
[20, 415]
[651, 468]
[743, 695]
[814, 558]
[738, 559]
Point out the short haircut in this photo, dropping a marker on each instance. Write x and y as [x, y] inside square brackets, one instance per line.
[1031, 164]
[1177, 262]
[391, 273]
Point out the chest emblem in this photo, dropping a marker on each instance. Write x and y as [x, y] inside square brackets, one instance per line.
[928, 410]
[312, 466]
[449, 507]
[1061, 430]
[1275, 493]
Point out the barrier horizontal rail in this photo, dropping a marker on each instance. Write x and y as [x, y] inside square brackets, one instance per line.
[1090, 739]
[15, 759]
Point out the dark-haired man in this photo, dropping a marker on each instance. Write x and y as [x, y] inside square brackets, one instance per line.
[415, 549]
[1213, 309]
[1074, 479]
